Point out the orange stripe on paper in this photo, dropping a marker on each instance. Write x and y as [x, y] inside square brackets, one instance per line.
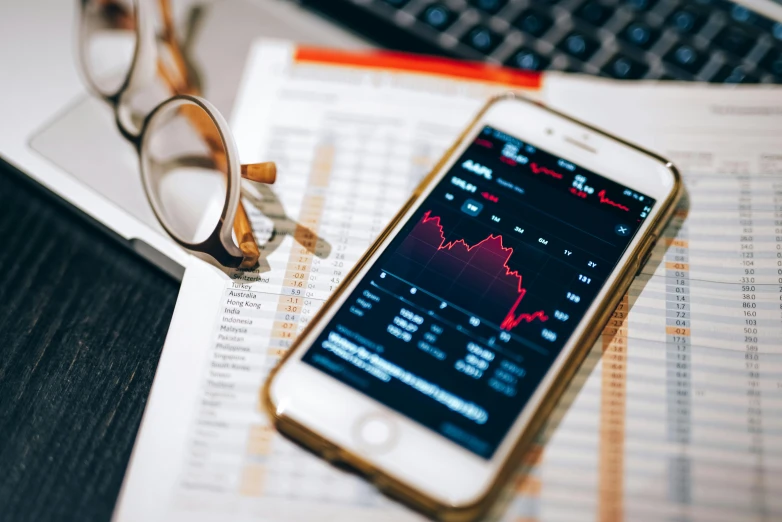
[277, 352]
[612, 417]
[683, 243]
[677, 330]
[253, 480]
[414, 63]
[529, 486]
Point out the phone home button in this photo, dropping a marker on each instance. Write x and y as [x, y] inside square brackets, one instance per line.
[376, 432]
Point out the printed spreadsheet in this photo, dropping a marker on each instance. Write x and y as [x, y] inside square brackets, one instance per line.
[674, 416]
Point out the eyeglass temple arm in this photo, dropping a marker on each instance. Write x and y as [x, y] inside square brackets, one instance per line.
[265, 172]
[246, 238]
[261, 173]
[258, 172]
[169, 38]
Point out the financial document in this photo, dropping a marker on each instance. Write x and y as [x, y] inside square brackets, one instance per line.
[677, 413]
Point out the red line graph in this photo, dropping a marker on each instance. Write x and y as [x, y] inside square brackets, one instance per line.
[537, 169]
[606, 201]
[512, 319]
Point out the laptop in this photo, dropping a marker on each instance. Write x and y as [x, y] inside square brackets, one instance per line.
[698, 40]
[66, 140]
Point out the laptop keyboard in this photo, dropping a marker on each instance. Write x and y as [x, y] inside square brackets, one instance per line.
[700, 40]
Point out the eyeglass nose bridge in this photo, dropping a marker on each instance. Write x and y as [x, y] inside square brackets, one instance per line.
[124, 119]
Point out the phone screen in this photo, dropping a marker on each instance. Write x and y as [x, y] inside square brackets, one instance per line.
[459, 319]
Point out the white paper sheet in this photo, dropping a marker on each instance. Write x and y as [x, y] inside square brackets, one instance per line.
[679, 419]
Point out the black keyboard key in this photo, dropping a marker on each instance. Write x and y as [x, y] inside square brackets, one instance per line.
[533, 23]
[639, 34]
[482, 39]
[734, 74]
[579, 45]
[594, 12]
[735, 40]
[397, 3]
[640, 5]
[625, 68]
[685, 56]
[438, 16]
[686, 21]
[528, 59]
[742, 14]
[772, 62]
[489, 6]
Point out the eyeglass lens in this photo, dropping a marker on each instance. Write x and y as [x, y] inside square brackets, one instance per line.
[184, 163]
[109, 40]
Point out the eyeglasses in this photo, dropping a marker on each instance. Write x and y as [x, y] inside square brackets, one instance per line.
[188, 157]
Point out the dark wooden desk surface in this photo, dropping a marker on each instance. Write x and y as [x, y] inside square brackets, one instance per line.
[82, 324]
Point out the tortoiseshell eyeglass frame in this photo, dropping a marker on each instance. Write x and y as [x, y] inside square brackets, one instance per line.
[231, 243]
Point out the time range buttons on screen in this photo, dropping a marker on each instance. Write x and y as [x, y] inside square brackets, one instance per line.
[553, 246]
[472, 207]
[516, 229]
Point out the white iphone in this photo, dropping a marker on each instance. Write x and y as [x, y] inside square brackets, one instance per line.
[431, 368]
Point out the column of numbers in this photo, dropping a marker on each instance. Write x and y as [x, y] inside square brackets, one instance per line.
[678, 360]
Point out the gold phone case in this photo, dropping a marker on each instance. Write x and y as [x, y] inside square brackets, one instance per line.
[401, 491]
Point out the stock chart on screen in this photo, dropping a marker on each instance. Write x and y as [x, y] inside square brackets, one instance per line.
[461, 316]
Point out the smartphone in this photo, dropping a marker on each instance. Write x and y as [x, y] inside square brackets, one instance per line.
[436, 361]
